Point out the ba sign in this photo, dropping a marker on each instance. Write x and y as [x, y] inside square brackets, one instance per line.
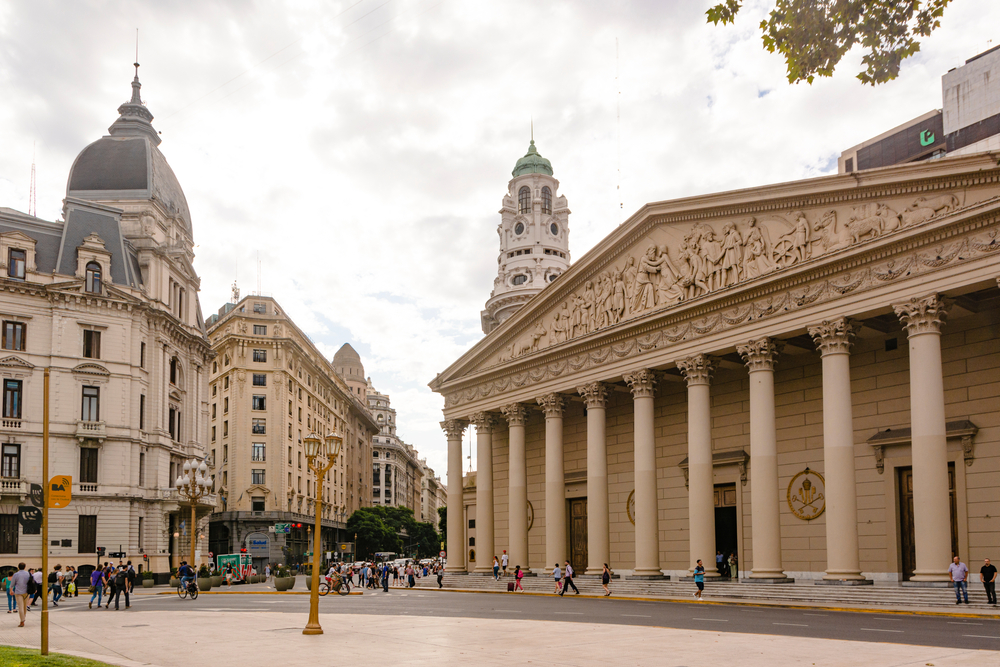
[258, 545]
[60, 491]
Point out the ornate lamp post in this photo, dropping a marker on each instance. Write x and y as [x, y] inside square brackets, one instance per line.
[193, 485]
[329, 447]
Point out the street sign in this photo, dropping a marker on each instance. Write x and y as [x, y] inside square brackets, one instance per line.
[283, 528]
[35, 492]
[30, 519]
[60, 491]
[442, 554]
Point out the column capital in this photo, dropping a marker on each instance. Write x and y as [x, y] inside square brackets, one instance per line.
[642, 382]
[595, 394]
[697, 369]
[516, 414]
[759, 354]
[552, 405]
[835, 336]
[484, 421]
[921, 315]
[454, 428]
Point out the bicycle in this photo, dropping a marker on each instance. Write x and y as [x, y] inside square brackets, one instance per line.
[336, 583]
[191, 589]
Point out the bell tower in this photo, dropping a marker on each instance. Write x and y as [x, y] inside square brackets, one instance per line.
[534, 238]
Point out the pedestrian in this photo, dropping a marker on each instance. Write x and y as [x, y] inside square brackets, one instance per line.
[229, 575]
[719, 563]
[109, 576]
[39, 590]
[267, 572]
[129, 582]
[54, 586]
[496, 569]
[568, 580]
[385, 578]
[8, 588]
[557, 575]
[988, 575]
[410, 576]
[96, 587]
[503, 562]
[395, 575]
[606, 579]
[734, 569]
[699, 579]
[959, 574]
[121, 586]
[72, 588]
[518, 575]
[19, 581]
[440, 574]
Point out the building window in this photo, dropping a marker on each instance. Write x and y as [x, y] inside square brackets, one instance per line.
[91, 411]
[141, 541]
[259, 402]
[260, 330]
[88, 465]
[554, 228]
[10, 464]
[225, 405]
[142, 355]
[256, 476]
[225, 382]
[214, 406]
[14, 336]
[260, 308]
[173, 371]
[215, 366]
[519, 279]
[91, 344]
[546, 200]
[86, 535]
[142, 469]
[259, 380]
[142, 411]
[257, 450]
[225, 453]
[173, 422]
[257, 504]
[260, 356]
[12, 398]
[213, 434]
[258, 427]
[93, 284]
[16, 264]
[524, 199]
[225, 429]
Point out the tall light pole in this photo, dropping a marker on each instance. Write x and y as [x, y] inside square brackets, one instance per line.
[193, 485]
[328, 447]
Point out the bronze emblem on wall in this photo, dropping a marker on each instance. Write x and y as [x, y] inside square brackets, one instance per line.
[807, 494]
[531, 515]
[630, 507]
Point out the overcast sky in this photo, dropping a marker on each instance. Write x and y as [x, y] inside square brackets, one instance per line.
[361, 149]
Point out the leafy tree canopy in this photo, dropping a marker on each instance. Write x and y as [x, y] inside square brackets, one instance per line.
[443, 521]
[814, 35]
[382, 528]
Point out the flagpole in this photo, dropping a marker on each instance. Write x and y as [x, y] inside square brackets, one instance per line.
[45, 511]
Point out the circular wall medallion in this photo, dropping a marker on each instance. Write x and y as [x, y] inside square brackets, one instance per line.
[519, 228]
[554, 228]
[531, 515]
[630, 507]
[807, 495]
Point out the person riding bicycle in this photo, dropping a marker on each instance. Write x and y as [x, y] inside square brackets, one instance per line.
[186, 573]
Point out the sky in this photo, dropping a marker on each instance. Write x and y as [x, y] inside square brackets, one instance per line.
[358, 151]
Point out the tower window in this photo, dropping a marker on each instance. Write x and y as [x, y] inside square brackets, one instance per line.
[554, 228]
[519, 279]
[17, 260]
[93, 284]
[546, 200]
[524, 199]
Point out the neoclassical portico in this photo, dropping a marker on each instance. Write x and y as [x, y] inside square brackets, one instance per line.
[769, 324]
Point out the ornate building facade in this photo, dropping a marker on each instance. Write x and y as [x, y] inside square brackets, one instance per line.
[803, 374]
[396, 471]
[269, 387]
[534, 238]
[106, 301]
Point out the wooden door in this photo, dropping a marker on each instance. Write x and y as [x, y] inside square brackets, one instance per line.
[725, 524]
[8, 533]
[578, 534]
[907, 543]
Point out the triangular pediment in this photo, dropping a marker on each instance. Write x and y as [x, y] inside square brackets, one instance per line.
[15, 362]
[92, 369]
[257, 488]
[696, 260]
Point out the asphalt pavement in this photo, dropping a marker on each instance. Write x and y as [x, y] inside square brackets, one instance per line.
[899, 628]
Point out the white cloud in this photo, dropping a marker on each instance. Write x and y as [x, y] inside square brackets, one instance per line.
[365, 161]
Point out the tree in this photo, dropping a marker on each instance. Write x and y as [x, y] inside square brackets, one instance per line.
[443, 522]
[382, 528]
[814, 35]
[373, 533]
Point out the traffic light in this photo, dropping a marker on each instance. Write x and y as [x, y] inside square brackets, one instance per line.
[101, 551]
[243, 550]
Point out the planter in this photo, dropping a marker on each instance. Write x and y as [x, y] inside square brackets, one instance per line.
[284, 583]
[204, 583]
[148, 583]
[256, 578]
[174, 582]
[216, 581]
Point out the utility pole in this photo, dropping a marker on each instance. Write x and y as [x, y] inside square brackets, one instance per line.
[46, 484]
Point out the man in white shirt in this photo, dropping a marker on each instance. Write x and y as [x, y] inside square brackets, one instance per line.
[39, 586]
[568, 580]
[503, 562]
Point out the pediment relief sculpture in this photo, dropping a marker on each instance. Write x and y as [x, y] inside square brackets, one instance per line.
[676, 263]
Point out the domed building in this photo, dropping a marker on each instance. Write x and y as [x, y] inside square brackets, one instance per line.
[347, 363]
[107, 299]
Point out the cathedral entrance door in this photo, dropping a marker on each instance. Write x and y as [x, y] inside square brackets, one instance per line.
[907, 546]
[725, 524]
[578, 533]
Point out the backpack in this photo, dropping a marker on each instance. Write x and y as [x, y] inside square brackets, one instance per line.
[120, 579]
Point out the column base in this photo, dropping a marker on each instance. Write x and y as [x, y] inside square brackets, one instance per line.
[844, 582]
[646, 573]
[930, 576]
[768, 580]
[926, 584]
[648, 577]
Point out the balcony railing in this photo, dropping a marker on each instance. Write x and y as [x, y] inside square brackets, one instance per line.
[88, 430]
[11, 486]
[87, 488]
[8, 423]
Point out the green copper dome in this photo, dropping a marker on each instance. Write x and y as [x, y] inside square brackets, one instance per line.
[532, 163]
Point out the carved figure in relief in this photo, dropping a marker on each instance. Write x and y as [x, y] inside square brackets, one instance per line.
[579, 317]
[732, 254]
[618, 297]
[796, 245]
[872, 218]
[560, 329]
[602, 302]
[629, 275]
[589, 314]
[537, 335]
[828, 233]
[757, 258]
[711, 252]
[941, 205]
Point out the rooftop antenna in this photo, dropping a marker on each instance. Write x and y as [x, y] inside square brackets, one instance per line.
[32, 208]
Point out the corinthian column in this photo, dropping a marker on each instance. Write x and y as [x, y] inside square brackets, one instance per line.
[517, 512]
[484, 491]
[595, 396]
[760, 356]
[834, 338]
[701, 482]
[555, 481]
[923, 318]
[454, 429]
[647, 531]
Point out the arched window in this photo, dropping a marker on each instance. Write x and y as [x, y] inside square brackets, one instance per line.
[520, 279]
[524, 199]
[546, 200]
[93, 284]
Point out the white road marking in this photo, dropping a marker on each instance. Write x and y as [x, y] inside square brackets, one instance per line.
[822, 615]
[797, 625]
[717, 620]
[962, 623]
[880, 630]
[573, 613]
[981, 636]
[885, 618]
[637, 616]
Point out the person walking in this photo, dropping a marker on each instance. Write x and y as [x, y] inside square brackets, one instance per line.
[39, 587]
[19, 582]
[734, 569]
[267, 572]
[699, 579]
[410, 577]
[109, 576]
[720, 564]
[229, 575]
[503, 562]
[496, 569]
[385, 578]
[606, 579]
[518, 575]
[7, 588]
[557, 575]
[121, 586]
[568, 580]
[959, 574]
[129, 582]
[440, 574]
[96, 587]
[72, 588]
[55, 577]
[988, 575]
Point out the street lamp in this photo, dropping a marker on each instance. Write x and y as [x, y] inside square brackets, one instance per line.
[193, 485]
[328, 447]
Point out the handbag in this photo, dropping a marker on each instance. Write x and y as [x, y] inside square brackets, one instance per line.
[92, 589]
[71, 589]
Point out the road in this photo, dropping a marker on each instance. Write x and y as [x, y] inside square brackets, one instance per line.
[938, 631]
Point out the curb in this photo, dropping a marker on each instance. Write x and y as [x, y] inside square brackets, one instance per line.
[737, 603]
[200, 593]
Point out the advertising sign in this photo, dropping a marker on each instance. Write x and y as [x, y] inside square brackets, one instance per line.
[36, 495]
[30, 519]
[60, 491]
[259, 545]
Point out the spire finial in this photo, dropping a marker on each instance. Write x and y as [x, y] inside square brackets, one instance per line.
[136, 98]
[532, 131]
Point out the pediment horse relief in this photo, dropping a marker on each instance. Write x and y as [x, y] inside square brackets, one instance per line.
[673, 265]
